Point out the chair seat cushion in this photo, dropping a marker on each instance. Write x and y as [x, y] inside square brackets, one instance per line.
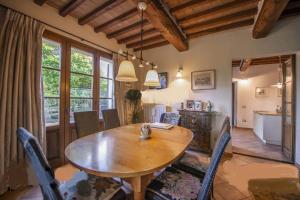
[174, 184]
[193, 162]
[84, 186]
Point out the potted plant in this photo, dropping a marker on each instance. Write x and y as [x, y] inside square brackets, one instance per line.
[134, 98]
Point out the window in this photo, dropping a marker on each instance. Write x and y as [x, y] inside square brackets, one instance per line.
[51, 70]
[81, 81]
[106, 85]
[76, 78]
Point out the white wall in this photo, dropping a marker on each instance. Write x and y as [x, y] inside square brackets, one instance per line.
[247, 102]
[216, 52]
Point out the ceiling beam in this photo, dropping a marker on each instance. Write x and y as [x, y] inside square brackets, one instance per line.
[40, 2]
[292, 9]
[268, 15]
[264, 60]
[127, 29]
[151, 46]
[155, 39]
[217, 12]
[194, 4]
[119, 19]
[72, 5]
[108, 5]
[245, 64]
[161, 18]
[222, 21]
[222, 28]
[137, 36]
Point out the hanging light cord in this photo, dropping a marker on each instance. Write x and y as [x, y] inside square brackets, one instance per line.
[142, 31]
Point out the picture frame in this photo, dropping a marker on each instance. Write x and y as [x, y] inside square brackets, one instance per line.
[198, 105]
[163, 79]
[190, 104]
[261, 92]
[203, 80]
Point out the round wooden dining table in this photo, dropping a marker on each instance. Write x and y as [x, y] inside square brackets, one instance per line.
[120, 152]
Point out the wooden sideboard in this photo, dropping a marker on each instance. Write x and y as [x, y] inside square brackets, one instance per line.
[200, 122]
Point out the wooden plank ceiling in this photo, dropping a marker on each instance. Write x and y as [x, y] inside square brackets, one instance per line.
[171, 21]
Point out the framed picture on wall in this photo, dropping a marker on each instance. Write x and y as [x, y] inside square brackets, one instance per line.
[163, 79]
[261, 92]
[203, 80]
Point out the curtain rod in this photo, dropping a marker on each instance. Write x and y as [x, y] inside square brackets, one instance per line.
[73, 35]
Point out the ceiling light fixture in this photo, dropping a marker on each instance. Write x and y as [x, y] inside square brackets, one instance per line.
[179, 72]
[151, 76]
[142, 7]
[152, 79]
[126, 72]
[279, 83]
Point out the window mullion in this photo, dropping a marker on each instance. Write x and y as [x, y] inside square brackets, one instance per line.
[96, 92]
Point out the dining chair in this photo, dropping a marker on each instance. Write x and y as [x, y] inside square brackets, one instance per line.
[81, 186]
[174, 183]
[197, 163]
[170, 118]
[86, 123]
[111, 119]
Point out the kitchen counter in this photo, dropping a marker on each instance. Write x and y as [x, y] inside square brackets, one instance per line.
[267, 126]
[268, 113]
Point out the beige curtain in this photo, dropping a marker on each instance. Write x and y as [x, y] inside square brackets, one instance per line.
[120, 91]
[20, 92]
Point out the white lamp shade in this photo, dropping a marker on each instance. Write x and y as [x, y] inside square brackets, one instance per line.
[126, 72]
[152, 79]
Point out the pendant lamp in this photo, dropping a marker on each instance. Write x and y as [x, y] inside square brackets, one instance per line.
[279, 83]
[152, 79]
[152, 76]
[126, 71]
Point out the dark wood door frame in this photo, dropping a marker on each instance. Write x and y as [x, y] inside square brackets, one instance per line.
[290, 155]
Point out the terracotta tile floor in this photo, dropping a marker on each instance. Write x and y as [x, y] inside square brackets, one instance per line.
[231, 182]
[244, 141]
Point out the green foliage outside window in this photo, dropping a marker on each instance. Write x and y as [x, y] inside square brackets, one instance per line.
[81, 80]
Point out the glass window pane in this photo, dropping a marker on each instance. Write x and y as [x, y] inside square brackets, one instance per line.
[51, 80]
[106, 88]
[103, 69]
[51, 54]
[106, 68]
[81, 61]
[51, 108]
[105, 104]
[79, 105]
[81, 85]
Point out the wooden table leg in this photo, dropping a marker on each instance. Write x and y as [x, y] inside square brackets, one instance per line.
[139, 185]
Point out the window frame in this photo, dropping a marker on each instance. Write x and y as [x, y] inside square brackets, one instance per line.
[93, 75]
[65, 67]
[109, 79]
[59, 70]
